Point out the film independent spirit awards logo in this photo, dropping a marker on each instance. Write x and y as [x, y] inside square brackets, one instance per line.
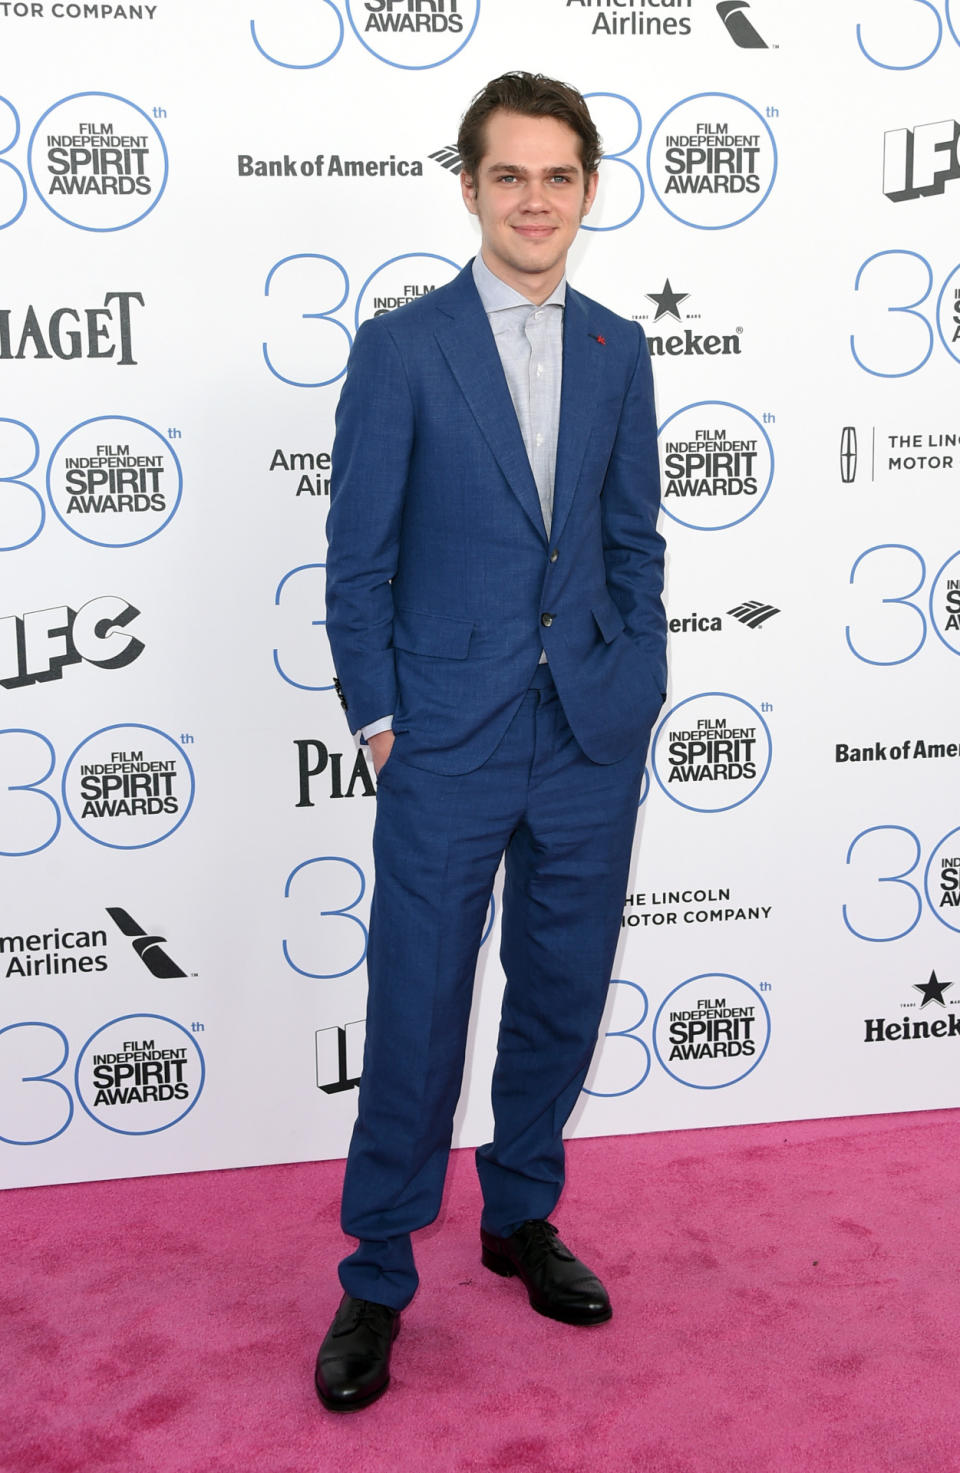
[140, 1074]
[712, 160]
[97, 161]
[716, 465]
[128, 786]
[114, 481]
[413, 35]
[711, 752]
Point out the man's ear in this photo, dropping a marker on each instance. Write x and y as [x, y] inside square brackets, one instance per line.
[469, 191]
[590, 193]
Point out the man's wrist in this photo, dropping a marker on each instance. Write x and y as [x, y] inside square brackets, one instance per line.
[374, 728]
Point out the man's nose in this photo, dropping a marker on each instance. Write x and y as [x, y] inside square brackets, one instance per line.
[534, 197]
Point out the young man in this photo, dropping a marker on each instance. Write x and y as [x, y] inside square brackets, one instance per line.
[494, 578]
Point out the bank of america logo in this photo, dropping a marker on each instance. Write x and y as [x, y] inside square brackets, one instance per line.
[448, 158]
[753, 613]
[848, 455]
[741, 30]
[148, 948]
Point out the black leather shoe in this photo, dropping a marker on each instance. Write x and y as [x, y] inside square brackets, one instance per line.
[353, 1365]
[558, 1284]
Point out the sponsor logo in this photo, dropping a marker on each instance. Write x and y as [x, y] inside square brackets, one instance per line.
[73, 10]
[911, 749]
[711, 1031]
[403, 280]
[36, 646]
[449, 158]
[688, 344]
[945, 872]
[895, 450]
[911, 1030]
[308, 468]
[114, 481]
[639, 21]
[339, 1052]
[139, 1074]
[128, 786]
[56, 953]
[413, 34]
[753, 613]
[71, 332]
[148, 948]
[945, 603]
[740, 28]
[98, 161]
[712, 160]
[848, 455]
[340, 780]
[920, 161]
[336, 166]
[704, 905]
[711, 752]
[716, 464]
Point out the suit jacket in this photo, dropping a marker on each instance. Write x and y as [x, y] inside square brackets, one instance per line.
[442, 586]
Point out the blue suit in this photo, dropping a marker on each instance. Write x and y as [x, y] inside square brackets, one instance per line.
[443, 587]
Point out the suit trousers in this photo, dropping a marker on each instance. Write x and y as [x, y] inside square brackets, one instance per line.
[565, 827]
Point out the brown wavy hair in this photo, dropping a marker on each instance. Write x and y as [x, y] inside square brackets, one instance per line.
[532, 95]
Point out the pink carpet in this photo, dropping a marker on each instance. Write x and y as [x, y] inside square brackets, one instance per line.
[786, 1300]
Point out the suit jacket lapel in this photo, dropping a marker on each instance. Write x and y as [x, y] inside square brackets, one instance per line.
[582, 363]
[468, 345]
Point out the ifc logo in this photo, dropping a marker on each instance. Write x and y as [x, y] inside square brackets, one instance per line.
[97, 161]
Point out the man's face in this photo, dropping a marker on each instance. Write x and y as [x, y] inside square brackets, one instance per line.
[530, 194]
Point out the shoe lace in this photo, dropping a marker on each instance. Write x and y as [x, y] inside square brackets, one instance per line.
[367, 1311]
[539, 1240]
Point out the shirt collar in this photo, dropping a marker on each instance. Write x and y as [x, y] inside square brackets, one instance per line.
[497, 296]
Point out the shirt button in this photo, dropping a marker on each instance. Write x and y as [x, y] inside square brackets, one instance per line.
[537, 316]
[554, 555]
[546, 620]
[539, 370]
[539, 440]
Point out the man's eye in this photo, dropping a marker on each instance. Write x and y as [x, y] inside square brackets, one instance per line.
[506, 178]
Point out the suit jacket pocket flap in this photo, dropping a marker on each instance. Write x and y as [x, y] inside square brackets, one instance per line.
[431, 634]
[609, 620]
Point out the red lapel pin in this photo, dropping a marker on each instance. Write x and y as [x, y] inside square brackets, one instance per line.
[597, 339]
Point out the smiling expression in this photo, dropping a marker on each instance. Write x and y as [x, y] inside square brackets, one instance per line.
[529, 194]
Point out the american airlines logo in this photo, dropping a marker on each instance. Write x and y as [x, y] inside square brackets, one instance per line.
[448, 158]
[753, 613]
[740, 28]
[919, 161]
[148, 948]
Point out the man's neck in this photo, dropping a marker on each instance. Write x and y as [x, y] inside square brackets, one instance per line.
[536, 289]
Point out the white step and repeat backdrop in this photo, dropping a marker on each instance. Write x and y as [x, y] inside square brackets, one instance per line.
[198, 204]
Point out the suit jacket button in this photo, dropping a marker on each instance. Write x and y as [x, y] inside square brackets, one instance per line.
[554, 554]
[546, 620]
